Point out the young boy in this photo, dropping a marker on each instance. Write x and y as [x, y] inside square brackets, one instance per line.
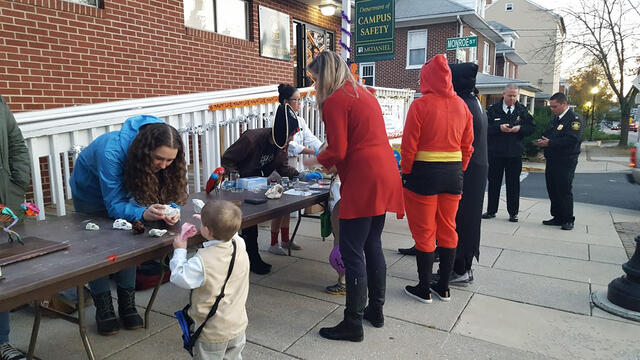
[223, 335]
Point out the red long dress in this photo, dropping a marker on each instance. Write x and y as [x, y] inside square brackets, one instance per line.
[359, 148]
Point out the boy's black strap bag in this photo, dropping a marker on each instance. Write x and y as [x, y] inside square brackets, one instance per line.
[189, 337]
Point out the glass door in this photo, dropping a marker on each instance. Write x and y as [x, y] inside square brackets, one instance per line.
[309, 41]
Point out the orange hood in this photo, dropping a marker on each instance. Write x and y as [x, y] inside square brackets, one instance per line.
[435, 77]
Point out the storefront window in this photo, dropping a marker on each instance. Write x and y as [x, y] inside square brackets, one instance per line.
[94, 3]
[227, 17]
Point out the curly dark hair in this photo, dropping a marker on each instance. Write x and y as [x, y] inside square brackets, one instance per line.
[165, 186]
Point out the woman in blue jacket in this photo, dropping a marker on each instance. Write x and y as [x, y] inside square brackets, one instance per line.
[129, 174]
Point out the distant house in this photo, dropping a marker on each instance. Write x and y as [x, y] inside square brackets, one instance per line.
[422, 28]
[507, 58]
[542, 31]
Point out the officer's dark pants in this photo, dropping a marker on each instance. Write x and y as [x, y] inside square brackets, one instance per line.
[559, 175]
[511, 167]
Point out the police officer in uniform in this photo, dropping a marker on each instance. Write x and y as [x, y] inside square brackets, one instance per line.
[509, 123]
[561, 143]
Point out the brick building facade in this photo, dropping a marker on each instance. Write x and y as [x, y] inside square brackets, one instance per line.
[394, 73]
[441, 19]
[56, 53]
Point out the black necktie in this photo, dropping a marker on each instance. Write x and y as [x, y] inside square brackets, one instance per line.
[509, 110]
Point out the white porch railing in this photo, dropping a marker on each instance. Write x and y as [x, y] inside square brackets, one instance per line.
[60, 134]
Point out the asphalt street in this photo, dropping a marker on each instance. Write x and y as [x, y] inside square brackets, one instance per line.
[610, 189]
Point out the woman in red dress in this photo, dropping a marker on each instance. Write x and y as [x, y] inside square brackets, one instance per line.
[436, 147]
[359, 149]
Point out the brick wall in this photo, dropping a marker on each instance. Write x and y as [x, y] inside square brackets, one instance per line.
[467, 30]
[393, 73]
[54, 53]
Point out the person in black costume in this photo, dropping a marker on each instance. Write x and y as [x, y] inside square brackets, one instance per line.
[468, 218]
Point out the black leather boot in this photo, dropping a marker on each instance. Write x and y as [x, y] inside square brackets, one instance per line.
[421, 292]
[377, 286]
[441, 288]
[351, 327]
[250, 236]
[127, 309]
[105, 315]
[408, 251]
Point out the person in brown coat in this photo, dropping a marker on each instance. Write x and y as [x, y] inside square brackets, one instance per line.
[260, 152]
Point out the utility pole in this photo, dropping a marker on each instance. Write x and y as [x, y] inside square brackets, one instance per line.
[594, 91]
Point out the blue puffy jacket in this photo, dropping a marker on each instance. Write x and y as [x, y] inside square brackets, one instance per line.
[97, 174]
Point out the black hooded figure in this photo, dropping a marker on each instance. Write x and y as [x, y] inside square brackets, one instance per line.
[469, 213]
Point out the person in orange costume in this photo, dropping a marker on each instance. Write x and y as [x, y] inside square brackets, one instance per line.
[436, 148]
[357, 145]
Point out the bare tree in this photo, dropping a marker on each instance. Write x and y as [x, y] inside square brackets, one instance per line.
[607, 30]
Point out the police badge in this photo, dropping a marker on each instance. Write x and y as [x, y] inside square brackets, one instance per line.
[518, 119]
[559, 127]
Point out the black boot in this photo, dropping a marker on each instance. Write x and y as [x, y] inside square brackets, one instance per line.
[127, 309]
[377, 285]
[408, 251]
[250, 236]
[441, 288]
[351, 327]
[421, 292]
[105, 315]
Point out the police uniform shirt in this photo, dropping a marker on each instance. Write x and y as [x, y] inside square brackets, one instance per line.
[565, 136]
[503, 144]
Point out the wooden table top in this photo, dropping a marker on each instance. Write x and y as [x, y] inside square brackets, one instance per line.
[88, 256]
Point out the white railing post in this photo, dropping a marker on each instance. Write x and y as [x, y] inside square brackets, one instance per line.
[56, 177]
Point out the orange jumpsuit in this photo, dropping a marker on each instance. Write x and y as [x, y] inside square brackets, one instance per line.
[436, 147]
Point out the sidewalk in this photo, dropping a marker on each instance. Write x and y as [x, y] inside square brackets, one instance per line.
[530, 300]
[592, 159]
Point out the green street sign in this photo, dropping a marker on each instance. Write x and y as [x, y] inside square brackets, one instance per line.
[462, 42]
[374, 38]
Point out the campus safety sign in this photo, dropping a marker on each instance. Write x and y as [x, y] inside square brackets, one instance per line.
[374, 38]
[462, 42]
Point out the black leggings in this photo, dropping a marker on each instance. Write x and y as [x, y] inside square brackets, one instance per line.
[360, 240]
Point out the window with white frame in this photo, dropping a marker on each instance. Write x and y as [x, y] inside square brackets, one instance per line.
[416, 48]
[508, 7]
[485, 59]
[473, 52]
[368, 73]
[94, 3]
[227, 17]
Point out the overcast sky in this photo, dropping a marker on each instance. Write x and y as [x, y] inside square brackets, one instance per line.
[558, 6]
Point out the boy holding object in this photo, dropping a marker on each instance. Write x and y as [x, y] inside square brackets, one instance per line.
[209, 274]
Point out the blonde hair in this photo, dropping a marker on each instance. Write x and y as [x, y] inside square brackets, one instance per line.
[222, 218]
[331, 74]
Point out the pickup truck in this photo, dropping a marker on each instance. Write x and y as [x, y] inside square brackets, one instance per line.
[634, 163]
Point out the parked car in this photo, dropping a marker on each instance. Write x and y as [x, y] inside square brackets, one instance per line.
[615, 127]
[633, 127]
[634, 163]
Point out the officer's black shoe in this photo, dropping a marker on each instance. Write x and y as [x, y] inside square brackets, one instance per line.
[552, 222]
[513, 218]
[488, 215]
[408, 251]
[567, 226]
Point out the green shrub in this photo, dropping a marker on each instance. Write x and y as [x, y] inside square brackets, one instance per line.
[598, 134]
[542, 116]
